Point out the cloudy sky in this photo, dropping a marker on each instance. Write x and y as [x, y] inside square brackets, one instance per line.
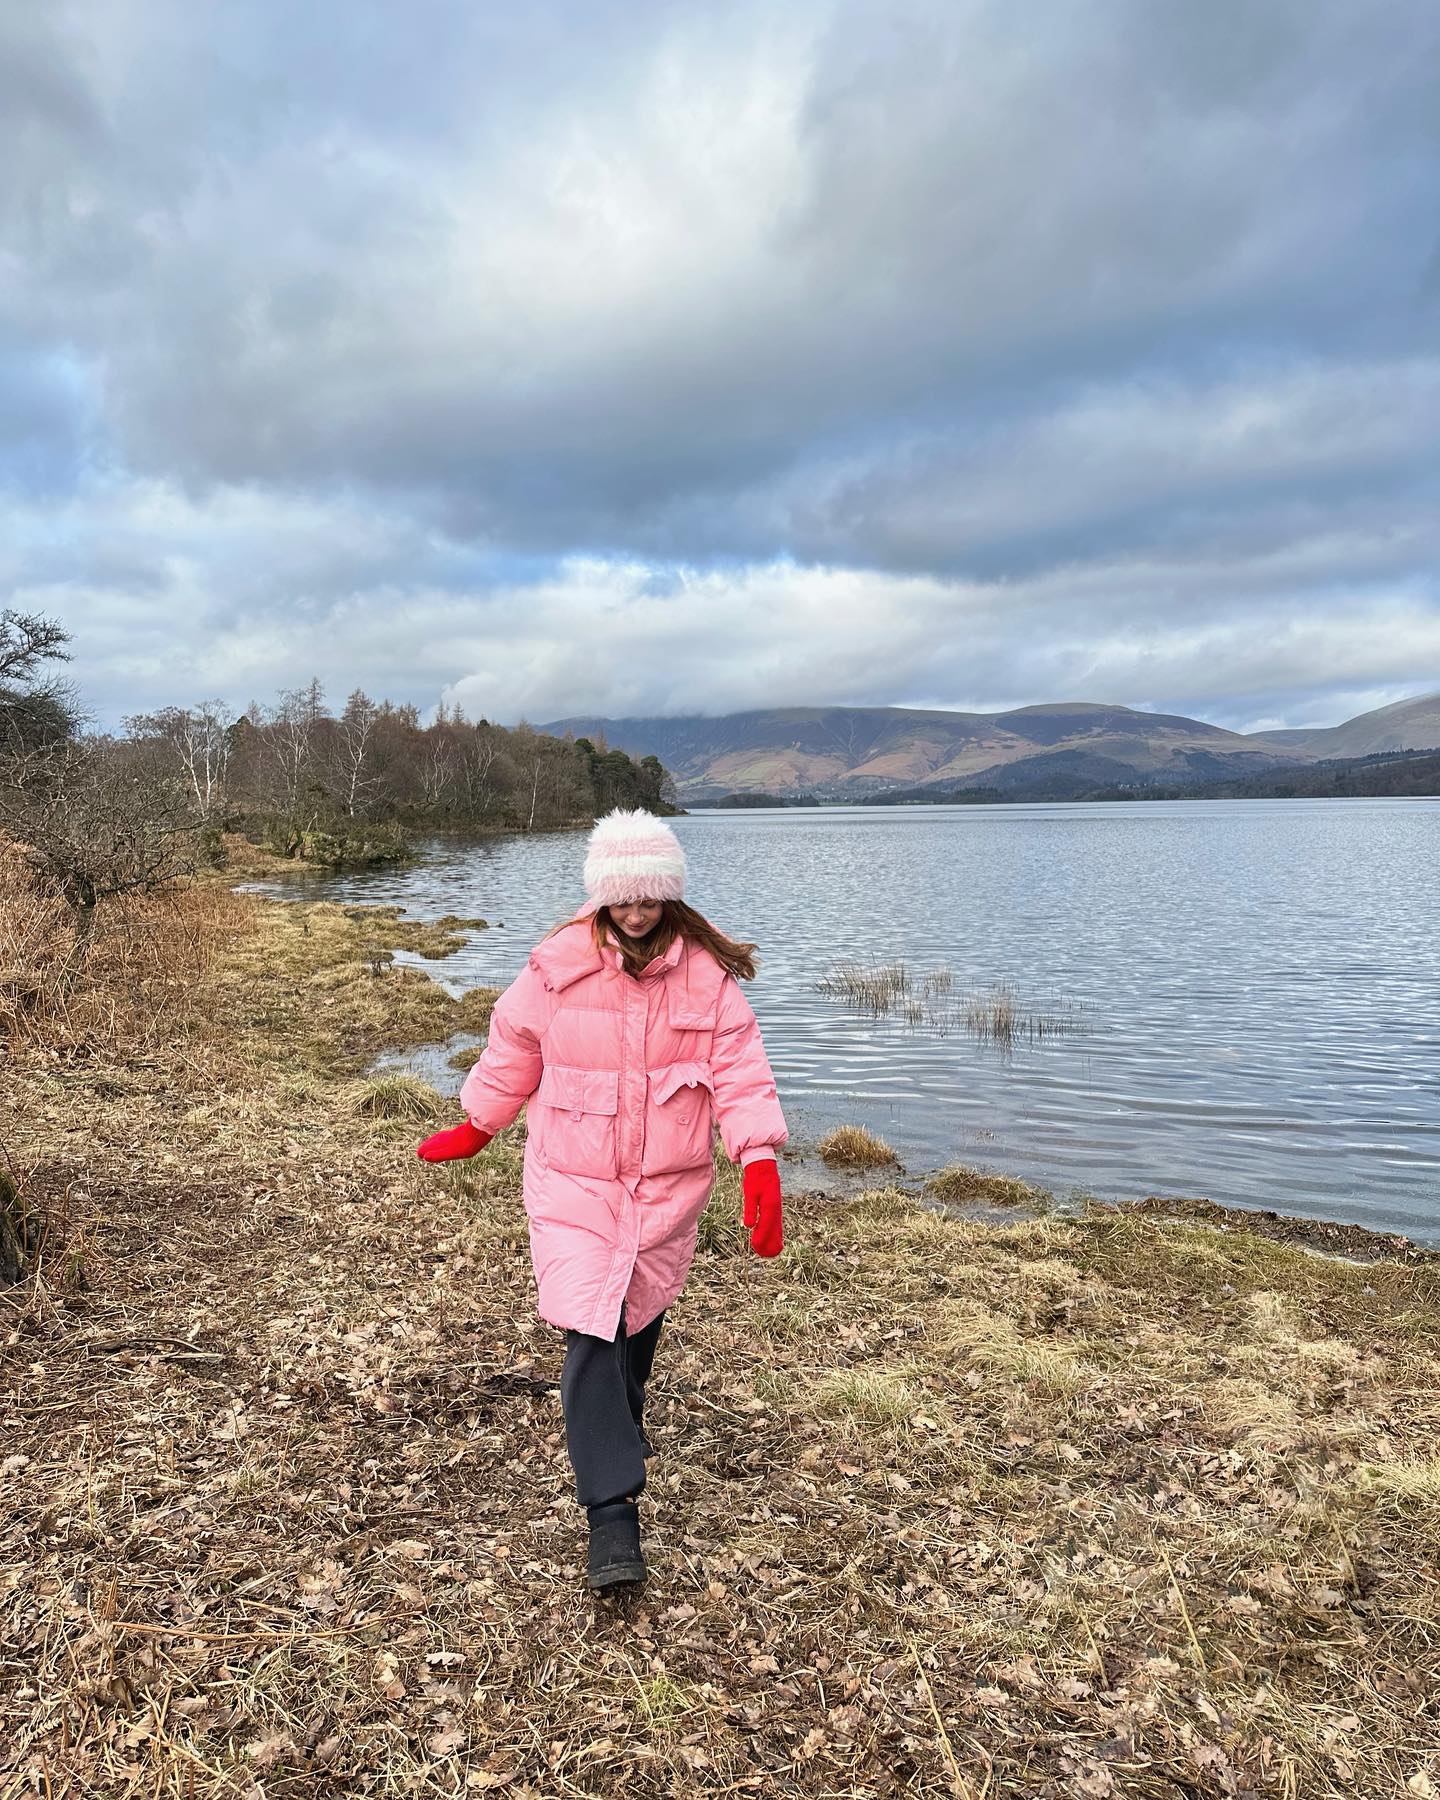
[588, 357]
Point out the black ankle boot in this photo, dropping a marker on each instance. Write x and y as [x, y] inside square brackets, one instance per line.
[615, 1554]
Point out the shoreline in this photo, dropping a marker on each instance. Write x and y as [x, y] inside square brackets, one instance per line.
[1290, 1172]
[1332, 1237]
[1328, 1235]
[782, 804]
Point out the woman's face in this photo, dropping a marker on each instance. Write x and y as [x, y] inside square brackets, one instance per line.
[636, 918]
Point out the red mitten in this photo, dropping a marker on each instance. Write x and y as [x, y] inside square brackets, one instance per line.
[762, 1206]
[459, 1140]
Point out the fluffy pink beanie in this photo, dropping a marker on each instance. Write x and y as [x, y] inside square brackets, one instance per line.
[633, 856]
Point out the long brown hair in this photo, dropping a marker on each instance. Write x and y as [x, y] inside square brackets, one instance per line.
[676, 920]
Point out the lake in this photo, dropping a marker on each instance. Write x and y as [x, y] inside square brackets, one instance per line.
[1250, 987]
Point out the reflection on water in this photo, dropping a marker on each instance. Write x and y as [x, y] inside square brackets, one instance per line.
[1256, 980]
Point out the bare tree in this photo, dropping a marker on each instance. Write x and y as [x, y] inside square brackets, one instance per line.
[36, 707]
[199, 739]
[437, 771]
[306, 780]
[477, 754]
[537, 771]
[356, 746]
[99, 818]
[290, 732]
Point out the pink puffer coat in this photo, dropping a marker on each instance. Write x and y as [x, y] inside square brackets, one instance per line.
[626, 1081]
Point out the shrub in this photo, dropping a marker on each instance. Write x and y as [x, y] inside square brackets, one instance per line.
[19, 1232]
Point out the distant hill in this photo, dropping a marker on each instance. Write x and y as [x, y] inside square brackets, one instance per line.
[856, 752]
[842, 752]
[1407, 725]
[1391, 774]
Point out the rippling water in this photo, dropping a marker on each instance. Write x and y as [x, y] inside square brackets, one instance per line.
[1258, 979]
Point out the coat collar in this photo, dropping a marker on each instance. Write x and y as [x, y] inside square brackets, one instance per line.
[568, 955]
[571, 954]
[613, 960]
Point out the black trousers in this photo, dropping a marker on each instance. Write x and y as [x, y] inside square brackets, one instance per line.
[602, 1389]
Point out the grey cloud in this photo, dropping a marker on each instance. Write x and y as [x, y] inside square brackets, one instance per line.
[211, 615]
[851, 235]
[1106, 350]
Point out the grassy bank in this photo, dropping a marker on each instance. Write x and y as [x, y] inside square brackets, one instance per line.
[1069, 1507]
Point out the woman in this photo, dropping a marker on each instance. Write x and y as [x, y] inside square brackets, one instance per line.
[630, 1038]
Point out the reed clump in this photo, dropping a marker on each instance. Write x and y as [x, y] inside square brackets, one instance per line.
[853, 1147]
[994, 1015]
[959, 1184]
[877, 990]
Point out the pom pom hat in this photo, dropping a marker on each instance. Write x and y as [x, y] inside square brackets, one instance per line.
[633, 856]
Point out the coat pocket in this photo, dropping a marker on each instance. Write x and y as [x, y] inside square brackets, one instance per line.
[576, 1113]
[679, 1118]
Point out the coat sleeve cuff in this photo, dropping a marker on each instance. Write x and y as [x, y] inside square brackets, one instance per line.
[761, 1153]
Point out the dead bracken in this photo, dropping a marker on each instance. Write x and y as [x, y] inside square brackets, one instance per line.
[1116, 1505]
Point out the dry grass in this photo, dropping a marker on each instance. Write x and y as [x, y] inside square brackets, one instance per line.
[1086, 1507]
[853, 1147]
[959, 1185]
[400, 1098]
[317, 990]
[135, 977]
[37, 947]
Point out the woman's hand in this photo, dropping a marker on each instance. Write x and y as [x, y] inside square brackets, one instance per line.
[458, 1141]
[761, 1181]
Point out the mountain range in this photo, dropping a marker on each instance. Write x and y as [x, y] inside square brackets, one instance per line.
[852, 752]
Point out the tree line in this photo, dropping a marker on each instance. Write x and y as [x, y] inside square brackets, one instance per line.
[353, 785]
[100, 814]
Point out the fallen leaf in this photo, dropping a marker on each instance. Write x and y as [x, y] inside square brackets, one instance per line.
[266, 1751]
[387, 1677]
